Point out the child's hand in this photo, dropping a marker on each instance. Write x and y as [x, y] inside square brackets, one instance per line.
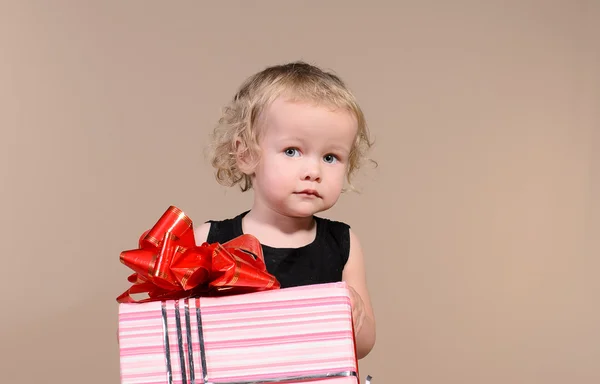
[358, 309]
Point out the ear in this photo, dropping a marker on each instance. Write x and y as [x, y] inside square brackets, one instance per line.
[245, 158]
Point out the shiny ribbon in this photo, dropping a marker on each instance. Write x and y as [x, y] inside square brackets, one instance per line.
[169, 265]
[187, 370]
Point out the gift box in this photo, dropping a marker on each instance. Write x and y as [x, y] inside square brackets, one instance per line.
[213, 314]
[291, 335]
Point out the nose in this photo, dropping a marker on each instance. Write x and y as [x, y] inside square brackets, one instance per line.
[312, 171]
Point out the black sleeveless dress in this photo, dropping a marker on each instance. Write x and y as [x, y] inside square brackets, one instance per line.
[321, 261]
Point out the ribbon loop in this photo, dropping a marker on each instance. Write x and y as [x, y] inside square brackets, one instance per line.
[169, 265]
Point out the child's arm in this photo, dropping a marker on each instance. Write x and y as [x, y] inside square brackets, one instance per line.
[362, 312]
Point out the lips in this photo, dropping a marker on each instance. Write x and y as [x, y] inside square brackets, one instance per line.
[309, 192]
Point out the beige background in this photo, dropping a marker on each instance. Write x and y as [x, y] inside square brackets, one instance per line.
[481, 225]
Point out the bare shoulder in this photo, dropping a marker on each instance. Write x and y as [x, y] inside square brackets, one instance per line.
[355, 265]
[201, 232]
[356, 251]
[354, 272]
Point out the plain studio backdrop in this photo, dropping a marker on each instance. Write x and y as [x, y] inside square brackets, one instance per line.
[480, 225]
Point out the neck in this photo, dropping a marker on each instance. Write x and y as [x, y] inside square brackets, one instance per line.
[272, 220]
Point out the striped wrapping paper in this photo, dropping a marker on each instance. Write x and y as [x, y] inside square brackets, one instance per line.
[292, 335]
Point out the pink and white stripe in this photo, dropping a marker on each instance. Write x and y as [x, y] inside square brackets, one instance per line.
[257, 336]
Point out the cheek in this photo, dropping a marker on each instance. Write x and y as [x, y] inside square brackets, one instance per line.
[336, 177]
[274, 169]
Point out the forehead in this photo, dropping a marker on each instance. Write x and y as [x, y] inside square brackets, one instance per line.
[310, 120]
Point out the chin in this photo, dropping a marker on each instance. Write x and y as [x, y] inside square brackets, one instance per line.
[299, 214]
[306, 212]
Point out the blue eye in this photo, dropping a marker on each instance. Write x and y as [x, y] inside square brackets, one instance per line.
[291, 152]
[330, 158]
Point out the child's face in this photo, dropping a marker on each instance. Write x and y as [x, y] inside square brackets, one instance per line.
[304, 157]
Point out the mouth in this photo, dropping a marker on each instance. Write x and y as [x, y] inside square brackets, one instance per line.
[308, 192]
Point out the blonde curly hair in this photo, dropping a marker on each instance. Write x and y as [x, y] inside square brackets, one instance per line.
[237, 133]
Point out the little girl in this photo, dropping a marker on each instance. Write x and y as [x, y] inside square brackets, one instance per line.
[293, 134]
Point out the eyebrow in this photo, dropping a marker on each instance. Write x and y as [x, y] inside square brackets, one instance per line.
[341, 148]
[333, 147]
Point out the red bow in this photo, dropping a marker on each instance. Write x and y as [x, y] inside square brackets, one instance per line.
[169, 265]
